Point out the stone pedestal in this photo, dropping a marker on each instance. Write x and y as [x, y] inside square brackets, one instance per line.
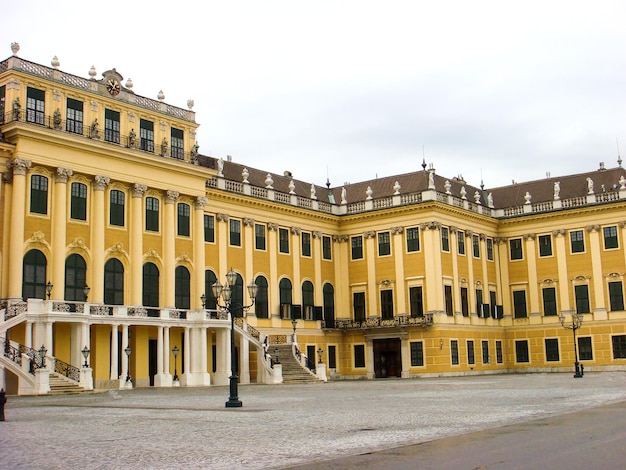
[320, 371]
[86, 378]
[42, 381]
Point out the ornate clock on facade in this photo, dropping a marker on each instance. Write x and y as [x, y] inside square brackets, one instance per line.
[113, 86]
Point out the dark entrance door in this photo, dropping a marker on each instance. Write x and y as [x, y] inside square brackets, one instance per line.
[152, 360]
[387, 358]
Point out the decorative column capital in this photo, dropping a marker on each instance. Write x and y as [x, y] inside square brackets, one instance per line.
[62, 174]
[19, 166]
[558, 232]
[139, 190]
[369, 234]
[171, 196]
[200, 202]
[340, 238]
[248, 222]
[317, 235]
[222, 217]
[593, 228]
[101, 182]
[272, 227]
[529, 236]
[296, 230]
[396, 230]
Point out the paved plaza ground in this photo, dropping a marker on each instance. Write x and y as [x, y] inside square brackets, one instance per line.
[284, 426]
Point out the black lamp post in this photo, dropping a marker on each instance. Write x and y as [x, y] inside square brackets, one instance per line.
[225, 293]
[85, 352]
[127, 350]
[577, 321]
[203, 299]
[276, 355]
[49, 287]
[320, 351]
[42, 355]
[175, 352]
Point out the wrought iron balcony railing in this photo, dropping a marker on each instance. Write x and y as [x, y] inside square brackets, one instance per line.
[378, 322]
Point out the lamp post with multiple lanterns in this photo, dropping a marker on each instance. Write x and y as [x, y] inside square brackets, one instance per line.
[576, 323]
[224, 292]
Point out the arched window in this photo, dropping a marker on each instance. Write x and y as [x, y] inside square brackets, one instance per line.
[150, 285]
[284, 289]
[34, 275]
[236, 299]
[181, 288]
[260, 304]
[329, 305]
[209, 279]
[114, 282]
[307, 300]
[75, 275]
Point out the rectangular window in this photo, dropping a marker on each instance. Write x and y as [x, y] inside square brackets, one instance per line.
[448, 298]
[493, 303]
[79, 201]
[235, 232]
[146, 135]
[582, 298]
[489, 249]
[209, 228]
[177, 143]
[116, 207]
[112, 126]
[577, 239]
[326, 248]
[183, 219]
[545, 245]
[412, 239]
[619, 346]
[384, 244]
[359, 355]
[479, 303]
[460, 236]
[470, 352]
[445, 239]
[358, 302]
[306, 244]
[519, 304]
[416, 301]
[74, 119]
[259, 236]
[549, 301]
[283, 240]
[616, 296]
[454, 352]
[386, 304]
[552, 349]
[35, 105]
[152, 214]
[515, 246]
[485, 351]
[357, 247]
[417, 354]
[332, 357]
[464, 302]
[585, 350]
[498, 351]
[38, 194]
[521, 351]
[610, 237]
[476, 246]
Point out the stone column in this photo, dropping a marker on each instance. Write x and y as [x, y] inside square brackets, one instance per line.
[159, 379]
[369, 359]
[244, 361]
[600, 311]
[400, 290]
[222, 352]
[166, 353]
[185, 377]
[295, 263]
[136, 244]
[169, 244]
[114, 359]
[198, 253]
[405, 353]
[372, 289]
[97, 237]
[561, 257]
[16, 233]
[273, 291]
[125, 360]
[59, 235]
[533, 283]
[224, 239]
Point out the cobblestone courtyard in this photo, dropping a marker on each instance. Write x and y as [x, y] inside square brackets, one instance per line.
[279, 426]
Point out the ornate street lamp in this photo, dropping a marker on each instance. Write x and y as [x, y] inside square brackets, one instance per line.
[225, 293]
[203, 299]
[42, 355]
[86, 290]
[49, 287]
[320, 351]
[276, 355]
[127, 350]
[175, 352]
[577, 321]
[85, 352]
[294, 323]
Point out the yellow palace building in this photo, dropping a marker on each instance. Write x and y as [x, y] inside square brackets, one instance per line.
[115, 230]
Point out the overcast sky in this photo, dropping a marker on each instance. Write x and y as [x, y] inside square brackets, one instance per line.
[355, 90]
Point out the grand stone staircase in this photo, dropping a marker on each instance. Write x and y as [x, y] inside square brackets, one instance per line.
[293, 372]
[60, 385]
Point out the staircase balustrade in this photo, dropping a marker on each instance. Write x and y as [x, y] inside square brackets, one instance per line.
[67, 370]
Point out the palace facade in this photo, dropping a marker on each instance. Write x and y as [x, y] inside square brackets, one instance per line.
[115, 228]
